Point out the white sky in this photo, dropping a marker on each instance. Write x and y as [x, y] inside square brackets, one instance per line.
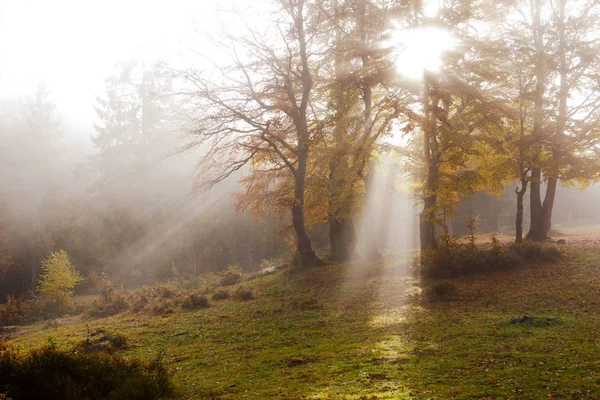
[72, 45]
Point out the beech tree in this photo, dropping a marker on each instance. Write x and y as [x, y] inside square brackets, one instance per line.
[363, 103]
[567, 102]
[452, 110]
[549, 130]
[259, 114]
[507, 153]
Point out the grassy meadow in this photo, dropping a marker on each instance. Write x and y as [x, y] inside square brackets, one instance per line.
[374, 331]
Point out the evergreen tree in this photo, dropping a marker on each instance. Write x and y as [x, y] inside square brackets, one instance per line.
[132, 128]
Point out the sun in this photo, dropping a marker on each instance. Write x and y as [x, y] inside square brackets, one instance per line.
[420, 50]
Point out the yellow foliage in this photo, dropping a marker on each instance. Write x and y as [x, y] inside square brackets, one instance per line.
[58, 281]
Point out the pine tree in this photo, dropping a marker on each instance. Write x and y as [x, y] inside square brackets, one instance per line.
[132, 129]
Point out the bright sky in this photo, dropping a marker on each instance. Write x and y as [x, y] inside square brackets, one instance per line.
[72, 45]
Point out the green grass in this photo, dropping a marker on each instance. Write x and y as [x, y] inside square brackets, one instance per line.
[366, 331]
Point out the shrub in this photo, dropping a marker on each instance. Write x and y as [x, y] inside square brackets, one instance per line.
[194, 300]
[160, 298]
[116, 303]
[241, 293]
[58, 280]
[540, 252]
[102, 341]
[453, 258]
[231, 276]
[220, 294]
[163, 307]
[14, 311]
[51, 374]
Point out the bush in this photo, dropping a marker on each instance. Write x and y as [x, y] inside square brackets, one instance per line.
[102, 341]
[241, 293]
[57, 282]
[453, 258]
[537, 252]
[194, 300]
[160, 298]
[220, 294]
[50, 373]
[163, 307]
[14, 311]
[114, 304]
[231, 276]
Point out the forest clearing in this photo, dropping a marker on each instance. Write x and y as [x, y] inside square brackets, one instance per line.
[374, 331]
[299, 199]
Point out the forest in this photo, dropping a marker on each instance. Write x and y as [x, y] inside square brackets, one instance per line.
[353, 199]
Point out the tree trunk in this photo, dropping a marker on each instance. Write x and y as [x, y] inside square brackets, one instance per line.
[307, 254]
[342, 240]
[304, 247]
[430, 154]
[543, 221]
[342, 235]
[546, 215]
[522, 169]
[519, 222]
[427, 216]
[543, 218]
[535, 204]
[427, 226]
[535, 201]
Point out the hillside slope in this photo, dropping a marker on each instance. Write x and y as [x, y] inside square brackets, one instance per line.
[368, 331]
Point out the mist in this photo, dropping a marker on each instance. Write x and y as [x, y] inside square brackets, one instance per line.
[299, 199]
[113, 146]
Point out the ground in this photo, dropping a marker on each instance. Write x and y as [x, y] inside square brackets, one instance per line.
[369, 331]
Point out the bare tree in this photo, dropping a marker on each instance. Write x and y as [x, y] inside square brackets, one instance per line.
[257, 114]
